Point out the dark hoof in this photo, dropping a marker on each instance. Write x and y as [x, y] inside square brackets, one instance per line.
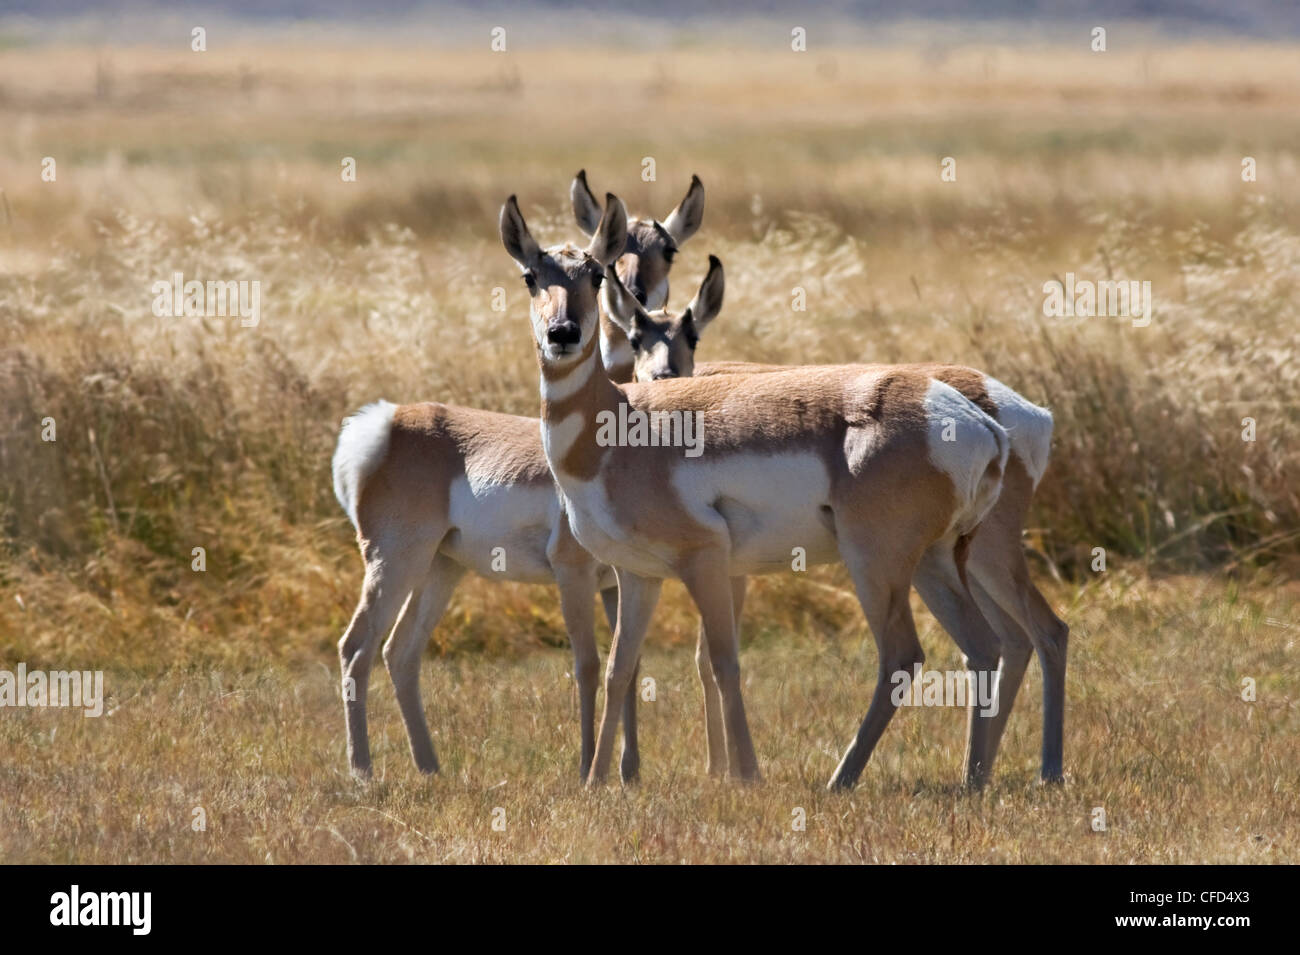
[840, 785]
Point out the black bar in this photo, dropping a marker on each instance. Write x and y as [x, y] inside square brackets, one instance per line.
[337, 904]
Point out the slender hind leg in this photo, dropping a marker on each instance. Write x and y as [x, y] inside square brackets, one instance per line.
[940, 586]
[405, 649]
[719, 754]
[882, 590]
[390, 578]
[997, 564]
[1012, 590]
[1016, 651]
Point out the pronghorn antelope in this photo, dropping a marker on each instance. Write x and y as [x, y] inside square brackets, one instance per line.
[432, 489]
[999, 577]
[848, 462]
[644, 264]
[998, 574]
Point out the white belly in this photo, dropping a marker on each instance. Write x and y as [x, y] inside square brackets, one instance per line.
[770, 505]
[501, 531]
[762, 507]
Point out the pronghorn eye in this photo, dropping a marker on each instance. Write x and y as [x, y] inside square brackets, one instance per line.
[597, 279]
[669, 253]
[635, 341]
[531, 281]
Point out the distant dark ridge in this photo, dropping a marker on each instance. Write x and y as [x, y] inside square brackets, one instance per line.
[1245, 18]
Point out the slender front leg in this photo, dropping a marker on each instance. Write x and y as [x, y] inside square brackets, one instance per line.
[707, 582]
[637, 597]
[630, 765]
[577, 587]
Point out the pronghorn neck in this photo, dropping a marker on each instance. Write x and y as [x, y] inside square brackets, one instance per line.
[572, 396]
[616, 352]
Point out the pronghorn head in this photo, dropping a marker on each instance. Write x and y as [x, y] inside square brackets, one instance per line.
[563, 280]
[648, 256]
[663, 344]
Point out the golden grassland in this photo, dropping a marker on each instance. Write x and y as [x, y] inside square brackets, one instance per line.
[822, 172]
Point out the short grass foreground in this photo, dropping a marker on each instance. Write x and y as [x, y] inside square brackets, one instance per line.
[205, 765]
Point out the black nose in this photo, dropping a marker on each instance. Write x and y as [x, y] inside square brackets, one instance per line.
[563, 333]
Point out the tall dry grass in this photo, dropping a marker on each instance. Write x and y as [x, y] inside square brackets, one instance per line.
[179, 433]
[822, 173]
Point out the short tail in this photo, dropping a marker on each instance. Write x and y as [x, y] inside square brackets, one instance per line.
[990, 482]
[362, 447]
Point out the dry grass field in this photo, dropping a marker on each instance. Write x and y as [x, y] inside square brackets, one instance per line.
[822, 172]
[1157, 736]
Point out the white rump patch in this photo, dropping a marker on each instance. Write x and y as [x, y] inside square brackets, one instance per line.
[1028, 426]
[362, 447]
[963, 441]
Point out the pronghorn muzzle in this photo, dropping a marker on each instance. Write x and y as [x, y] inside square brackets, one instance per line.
[563, 332]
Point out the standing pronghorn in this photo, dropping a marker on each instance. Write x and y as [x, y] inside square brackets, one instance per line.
[999, 577]
[848, 462]
[650, 347]
[433, 491]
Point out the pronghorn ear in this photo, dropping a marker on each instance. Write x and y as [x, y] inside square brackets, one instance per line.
[620, 304]
[610, 237]
[707, 303]
[684, 221]
[523, 248]
[585, 207]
